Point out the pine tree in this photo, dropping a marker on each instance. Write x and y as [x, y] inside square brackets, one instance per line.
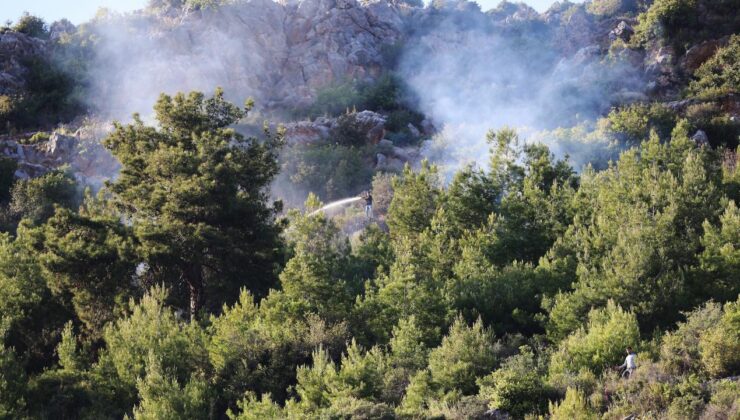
[195, 191]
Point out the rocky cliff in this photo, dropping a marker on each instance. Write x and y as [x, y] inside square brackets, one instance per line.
[564, 61]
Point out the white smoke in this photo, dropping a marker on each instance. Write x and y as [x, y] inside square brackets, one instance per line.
[470, 71]
[139, 56]
[471, 75]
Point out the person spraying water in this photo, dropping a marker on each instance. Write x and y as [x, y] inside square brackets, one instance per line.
[368, 204]
[365, 195]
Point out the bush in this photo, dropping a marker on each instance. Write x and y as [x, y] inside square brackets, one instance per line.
[724, 402]
[49, 98]
[679, 352]
[720, 74]
[573, 407]
[331, 171]
[34, 199]
[335, 99]
[720, 127]
[349, 131]
[12, 384]
[32, 26]
[632, 124]
[611, 8]
[466, 353]
[600, 344]
[681, 23]
[253, 408]
[381, 94]
[517, 386]
[152, 334]
[720, 345]
[468, 407]
[39, 137]
[7, 106]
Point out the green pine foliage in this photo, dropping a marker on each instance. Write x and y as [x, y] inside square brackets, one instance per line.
[196, 192]
[720, 74]
[177, 292]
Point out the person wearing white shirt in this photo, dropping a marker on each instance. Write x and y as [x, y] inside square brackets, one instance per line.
[629, 364]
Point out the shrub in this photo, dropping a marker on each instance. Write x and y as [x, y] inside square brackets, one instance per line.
[7, 106]
[253, 408]
[633, 123]
[610, 8]
[350, 131]
[720, 74]
[382, 190]
[34, 199]
[721, 128]
[151, 334]
[465, 354]
[381, 94]
[679, 351]
[573, 407]
[12, 384]
[49, 97]
[336, 99]
[517, 387]
[331, 171]
[724, 402]
[162, 397]
[468, 407]
[720, 345]
[681, 23]
[32, 26]
[600, 344]
[39, 137]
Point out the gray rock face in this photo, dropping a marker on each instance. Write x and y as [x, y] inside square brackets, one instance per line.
[91, 163]
[623, 31]
[278, 52]
[14, 49]
[305, 132]
[698, 54]
[370, 124]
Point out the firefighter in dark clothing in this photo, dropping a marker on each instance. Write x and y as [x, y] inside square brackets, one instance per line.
[368, 204]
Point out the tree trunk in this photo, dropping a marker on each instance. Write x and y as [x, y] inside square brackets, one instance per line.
[194, 277]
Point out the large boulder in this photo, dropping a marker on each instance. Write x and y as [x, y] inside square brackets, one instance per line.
[305, 132]
[622, 31]
[367, 125]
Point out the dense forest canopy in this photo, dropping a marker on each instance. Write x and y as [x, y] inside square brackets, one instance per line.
[503, 286]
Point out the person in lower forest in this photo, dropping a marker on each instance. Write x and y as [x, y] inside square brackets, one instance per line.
[629, 364]
[368, 204]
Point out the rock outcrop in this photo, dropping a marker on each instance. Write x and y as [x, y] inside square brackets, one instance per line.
[699, 53]
[81, 152]
[15, 49]
[368, 125]
[278, 52]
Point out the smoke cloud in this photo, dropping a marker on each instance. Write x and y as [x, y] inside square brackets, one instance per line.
[470, 71]
[471, 75]
[139, 56]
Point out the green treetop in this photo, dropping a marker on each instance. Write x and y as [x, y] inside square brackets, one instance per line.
[195, 191]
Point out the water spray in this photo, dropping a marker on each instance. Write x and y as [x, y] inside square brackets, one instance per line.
[336, 204]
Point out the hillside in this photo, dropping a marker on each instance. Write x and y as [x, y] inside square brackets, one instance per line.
[185, 230]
